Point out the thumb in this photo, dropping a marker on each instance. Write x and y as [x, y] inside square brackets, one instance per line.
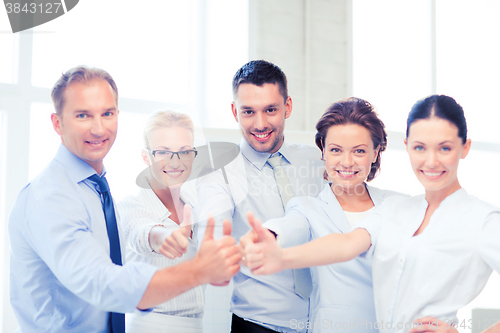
[209, 232]
[226, 228]
[256, 226]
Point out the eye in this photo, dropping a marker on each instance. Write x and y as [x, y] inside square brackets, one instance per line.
[185, 152]
[247, 112]
[161, 152]
[271, 110]
[446, 149]
[82, 115]
[418, 148]
[359, 151]
[108, 114]
[335, 150]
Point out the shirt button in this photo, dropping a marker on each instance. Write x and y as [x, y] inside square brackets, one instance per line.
[401, 260]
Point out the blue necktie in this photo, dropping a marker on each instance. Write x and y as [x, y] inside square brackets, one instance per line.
[116, 320]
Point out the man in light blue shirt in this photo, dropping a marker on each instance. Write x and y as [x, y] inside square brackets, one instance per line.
[261, 105]
[62, 277]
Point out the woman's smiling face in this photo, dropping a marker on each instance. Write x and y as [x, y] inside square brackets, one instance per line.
[348, 154]
[170, 171]
[435, 150]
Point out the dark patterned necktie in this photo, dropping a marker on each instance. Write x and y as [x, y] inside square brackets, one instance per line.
[116, 320]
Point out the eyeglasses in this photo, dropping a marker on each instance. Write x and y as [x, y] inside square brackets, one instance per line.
[183, 155]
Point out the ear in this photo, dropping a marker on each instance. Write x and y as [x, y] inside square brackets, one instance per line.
[56, 123]
[466, 150]
[145, 157]
[235, 111]
[406, 144]
[376, 154]
[288, 107]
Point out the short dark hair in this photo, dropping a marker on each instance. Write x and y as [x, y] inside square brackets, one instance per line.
[441, 106]
[354, 111]
[259, 72]
[81, 74]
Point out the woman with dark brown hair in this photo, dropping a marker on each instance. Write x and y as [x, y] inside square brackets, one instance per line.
[351, 138]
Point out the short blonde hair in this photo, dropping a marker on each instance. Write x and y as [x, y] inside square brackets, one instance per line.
[166, 119]
[80, 74]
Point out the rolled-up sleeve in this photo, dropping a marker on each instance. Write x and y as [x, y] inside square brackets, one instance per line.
[372, 224]
[136, 223]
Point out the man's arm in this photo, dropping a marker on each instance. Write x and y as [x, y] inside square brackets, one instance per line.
[217, 261]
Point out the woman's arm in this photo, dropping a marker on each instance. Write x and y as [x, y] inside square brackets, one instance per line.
[264, 256]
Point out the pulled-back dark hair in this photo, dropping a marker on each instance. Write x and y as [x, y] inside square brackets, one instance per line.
[258, 72]
[441, 106]
[354, 111]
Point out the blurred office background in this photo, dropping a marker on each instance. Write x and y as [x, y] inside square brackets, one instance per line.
[182, 55]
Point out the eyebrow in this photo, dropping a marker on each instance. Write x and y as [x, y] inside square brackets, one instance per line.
[166, 148]
[87, 111]
[357, 146]
[265, 107]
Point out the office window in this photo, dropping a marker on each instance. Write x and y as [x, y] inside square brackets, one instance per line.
[406, 50]
[8, 58]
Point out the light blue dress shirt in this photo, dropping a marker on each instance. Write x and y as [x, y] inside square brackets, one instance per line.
[268, 300]
[342, 296]
[437, 272]
[62, 278]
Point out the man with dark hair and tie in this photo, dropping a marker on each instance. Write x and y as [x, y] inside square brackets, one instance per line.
[66, 266]
[266, 175]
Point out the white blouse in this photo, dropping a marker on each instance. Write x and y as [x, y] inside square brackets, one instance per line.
[438, 271]
[138, 215]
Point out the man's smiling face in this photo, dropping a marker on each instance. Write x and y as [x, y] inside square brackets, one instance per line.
[261, 112]
[89, 120]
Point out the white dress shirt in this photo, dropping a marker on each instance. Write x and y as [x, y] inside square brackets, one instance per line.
[268, 300]
[342, 297]
[138, 215]
[438, 271]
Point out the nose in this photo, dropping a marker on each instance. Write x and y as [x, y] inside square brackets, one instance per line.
[432, 160]
[174, 161]
[260, 121]
[97, 127]
[347, 160]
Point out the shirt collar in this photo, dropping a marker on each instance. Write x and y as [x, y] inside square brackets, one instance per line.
[259, 159]
[76, 168]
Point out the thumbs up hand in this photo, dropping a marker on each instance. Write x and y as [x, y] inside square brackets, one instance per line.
[175, 245]
[218, 259]
[262, 252]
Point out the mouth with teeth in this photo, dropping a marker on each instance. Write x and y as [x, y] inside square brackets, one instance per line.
[262, 137]
[96, 144]
[173, 174]
[347, 173]
[432, 175]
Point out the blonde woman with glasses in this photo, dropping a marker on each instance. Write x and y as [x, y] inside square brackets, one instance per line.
[150, 219]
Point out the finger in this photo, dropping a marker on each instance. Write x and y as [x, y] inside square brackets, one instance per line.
[226, 241]
[181, 241]
[226, 228]
[171, 254]
[259, 270]
[209, 232]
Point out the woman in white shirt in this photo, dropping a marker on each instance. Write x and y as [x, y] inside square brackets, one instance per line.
[149, 219]
[433, 253]
[351, 137]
